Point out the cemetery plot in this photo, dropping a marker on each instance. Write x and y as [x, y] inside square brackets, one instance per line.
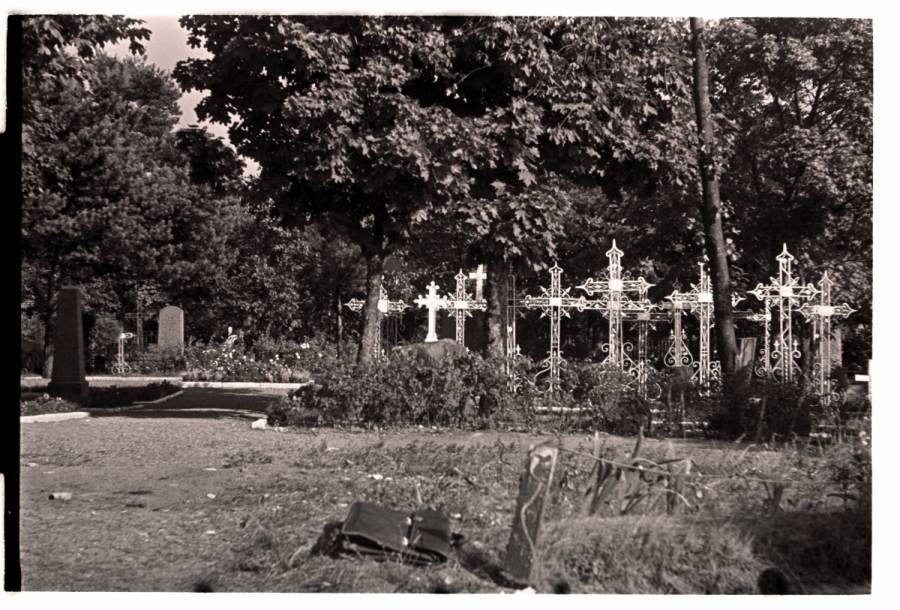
[224, 507]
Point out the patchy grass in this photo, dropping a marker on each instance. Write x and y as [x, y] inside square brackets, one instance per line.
[185, 505]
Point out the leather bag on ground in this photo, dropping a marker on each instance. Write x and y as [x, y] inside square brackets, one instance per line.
[419, 538]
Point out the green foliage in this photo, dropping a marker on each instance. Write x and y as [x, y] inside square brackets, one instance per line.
[109, 397]
[107, 201]
[403, 392]
[46, 404]
[154, 360]
[268, 360]
[736, 411]
[103, 342]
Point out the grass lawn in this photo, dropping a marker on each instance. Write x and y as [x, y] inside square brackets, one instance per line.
[186, 496]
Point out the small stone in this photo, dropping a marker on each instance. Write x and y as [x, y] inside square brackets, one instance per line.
[211, 496]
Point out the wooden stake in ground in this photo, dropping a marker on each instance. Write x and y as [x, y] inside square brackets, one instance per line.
[521, 552]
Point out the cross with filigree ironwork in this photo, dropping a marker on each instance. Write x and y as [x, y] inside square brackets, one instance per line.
[764, 367]
[139, 318]
[554, 303]
[821, 315]
[612, 288]
[788, 292]
[460, 304]
[699, 301]
[432, 302]
[386, 307]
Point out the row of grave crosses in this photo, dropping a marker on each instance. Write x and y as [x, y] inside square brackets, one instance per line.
[615, 301]
[460, 305]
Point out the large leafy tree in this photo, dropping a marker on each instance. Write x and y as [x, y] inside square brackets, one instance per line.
[107, 201]
[798, 98]
[373, 124]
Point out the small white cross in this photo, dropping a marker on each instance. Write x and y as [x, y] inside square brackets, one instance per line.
[479, 276]
[433, 302]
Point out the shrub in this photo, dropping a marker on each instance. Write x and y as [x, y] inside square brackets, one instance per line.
[46, 404]
[735, 410]
[103, 342]
[268, 360]
[402, 392]
[99, 398]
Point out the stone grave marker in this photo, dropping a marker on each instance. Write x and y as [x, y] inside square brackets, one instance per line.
[171, 328]
[534, 487]
[68, 380]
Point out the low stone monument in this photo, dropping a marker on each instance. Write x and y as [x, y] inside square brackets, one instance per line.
[67, 380]
[171, 328]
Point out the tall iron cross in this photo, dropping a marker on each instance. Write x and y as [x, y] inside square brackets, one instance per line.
[554, 303]
[699, 300]
[139, 318]
[763, 368]
[479, 275]
[821, 315]
[460, 304]
[386, 306]
[613, 300]
[788, 292]
[433, 302]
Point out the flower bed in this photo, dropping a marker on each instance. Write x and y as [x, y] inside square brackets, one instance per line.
[284, 362]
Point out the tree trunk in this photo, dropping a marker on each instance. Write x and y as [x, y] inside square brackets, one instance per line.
[494, 318]
[371, 316]
[711, 207]
[339, 331]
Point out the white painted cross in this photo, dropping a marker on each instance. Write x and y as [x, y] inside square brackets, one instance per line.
[433, 302]
[479, 276]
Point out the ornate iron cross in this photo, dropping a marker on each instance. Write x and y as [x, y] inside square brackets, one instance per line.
[386, 307]
[821, 315]
[460, 304]
[554, 303]
[788, 292]
[139, 318]
[763, 368]
[612, 288]
[433, 302]
[699, 300]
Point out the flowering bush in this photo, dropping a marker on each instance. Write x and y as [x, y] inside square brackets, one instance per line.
[46, 404]
[267, 361]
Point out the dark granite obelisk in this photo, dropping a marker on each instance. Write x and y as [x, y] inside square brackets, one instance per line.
[67, 380]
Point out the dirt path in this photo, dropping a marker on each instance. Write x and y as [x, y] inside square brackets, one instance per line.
[168, 495]
[159, 492]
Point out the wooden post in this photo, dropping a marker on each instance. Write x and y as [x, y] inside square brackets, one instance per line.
[521, 552]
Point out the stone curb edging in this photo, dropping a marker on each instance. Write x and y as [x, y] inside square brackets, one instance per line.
[243, 384]
[33, 419]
